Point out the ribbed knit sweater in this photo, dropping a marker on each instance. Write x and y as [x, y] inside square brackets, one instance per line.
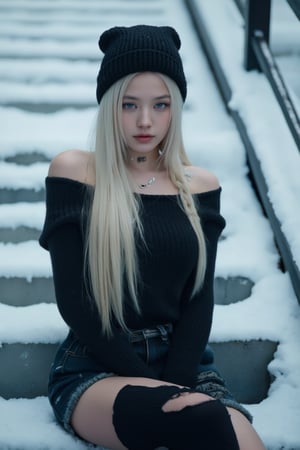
[167, 266]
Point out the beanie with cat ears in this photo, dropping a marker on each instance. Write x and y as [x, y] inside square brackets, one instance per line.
[141, 48]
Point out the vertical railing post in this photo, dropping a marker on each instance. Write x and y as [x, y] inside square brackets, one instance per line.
[257, 18]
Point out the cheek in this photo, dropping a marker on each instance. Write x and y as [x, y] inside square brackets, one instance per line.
[125, 122]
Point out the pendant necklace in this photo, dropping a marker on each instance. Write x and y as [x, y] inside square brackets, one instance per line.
[151, 180]
[147, 184]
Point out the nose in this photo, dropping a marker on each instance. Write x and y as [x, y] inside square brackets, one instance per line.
[144, 118]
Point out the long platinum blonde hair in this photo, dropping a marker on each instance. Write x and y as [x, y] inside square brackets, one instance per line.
[114, 214]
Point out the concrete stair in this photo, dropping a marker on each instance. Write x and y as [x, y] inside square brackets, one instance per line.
[29, 298]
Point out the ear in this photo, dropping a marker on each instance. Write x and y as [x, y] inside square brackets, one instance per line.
[173, 35]
[109, 36]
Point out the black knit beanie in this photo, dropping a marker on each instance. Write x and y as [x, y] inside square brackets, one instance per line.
[138, 49]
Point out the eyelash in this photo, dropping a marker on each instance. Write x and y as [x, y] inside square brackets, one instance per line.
[159, 106]
[128, 105]
[164, 105]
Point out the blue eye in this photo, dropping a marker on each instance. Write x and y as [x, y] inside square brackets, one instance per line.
[161, 105]
[127, 105]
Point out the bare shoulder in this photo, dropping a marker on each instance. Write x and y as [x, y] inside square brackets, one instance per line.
[73, 164]
[201, 180]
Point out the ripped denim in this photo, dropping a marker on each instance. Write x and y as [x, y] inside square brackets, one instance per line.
[74, 370]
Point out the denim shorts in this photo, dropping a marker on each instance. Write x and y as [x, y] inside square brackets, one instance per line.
[74, 370]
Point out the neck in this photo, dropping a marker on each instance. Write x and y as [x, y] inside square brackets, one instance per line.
[144, 162]
[146, 170]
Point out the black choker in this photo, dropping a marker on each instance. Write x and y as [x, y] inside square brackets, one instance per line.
[139, 159]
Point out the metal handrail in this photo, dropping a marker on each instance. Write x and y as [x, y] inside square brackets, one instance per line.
[257, 55]
[256, 171]
[270, 69]
[294, 5]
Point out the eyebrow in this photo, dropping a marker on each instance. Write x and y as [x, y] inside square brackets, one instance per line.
[132, 97]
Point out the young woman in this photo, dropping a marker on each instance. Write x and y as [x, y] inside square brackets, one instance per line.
[132, 230]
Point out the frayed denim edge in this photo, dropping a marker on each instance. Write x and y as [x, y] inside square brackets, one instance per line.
[76, 396]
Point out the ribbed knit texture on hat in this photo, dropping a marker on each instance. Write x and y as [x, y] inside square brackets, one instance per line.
[138, 49]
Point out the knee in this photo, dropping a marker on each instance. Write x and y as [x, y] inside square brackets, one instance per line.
[173, 417]
[184, 399]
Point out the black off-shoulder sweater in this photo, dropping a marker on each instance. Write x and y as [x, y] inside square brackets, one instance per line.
[167, 269]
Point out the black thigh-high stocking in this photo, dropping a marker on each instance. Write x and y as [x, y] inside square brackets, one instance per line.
[141, 423]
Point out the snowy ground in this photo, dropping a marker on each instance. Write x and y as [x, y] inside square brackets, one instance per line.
[271, 312]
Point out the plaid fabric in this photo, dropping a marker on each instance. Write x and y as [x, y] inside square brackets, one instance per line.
[211, 383]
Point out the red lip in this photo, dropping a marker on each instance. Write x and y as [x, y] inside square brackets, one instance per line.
[143, 137]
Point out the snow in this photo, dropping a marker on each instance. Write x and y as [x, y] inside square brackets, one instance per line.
[30, 215]
[24, 177]
[271, 311]
[14, 260]
[49, 137]
[40, 323]
[275, 147]
[23, 417]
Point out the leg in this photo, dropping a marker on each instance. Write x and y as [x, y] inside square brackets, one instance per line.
[92, 417]
[211, 383]
[147, 417]
[247, 437]
[129, 401]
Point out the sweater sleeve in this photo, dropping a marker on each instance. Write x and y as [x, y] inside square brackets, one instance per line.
[192, 331]
[62, 236]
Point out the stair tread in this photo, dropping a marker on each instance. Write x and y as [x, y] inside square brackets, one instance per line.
[61, 93]
[20, 420]
[264, 314]
[49, 137]
[14, 260]
[24, 177]
[34, 324]
[252, 318]
[14, 215]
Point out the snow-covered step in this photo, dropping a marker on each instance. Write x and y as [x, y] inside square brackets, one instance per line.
[30, 335]
[48, 101]
[26, 260]
[41, 325]
[96, 13]
[29, 424]
[20, 291]
[18, 234]
[23, 280]
[25, 368]
[92, 16]
[8, 195]
[26, 176]
[232, 289]
[21, 221]
[245, 333]
[110, 6]
[32, 71]
[52, 134]
[66, 48]
[27, 158]
[20, 183]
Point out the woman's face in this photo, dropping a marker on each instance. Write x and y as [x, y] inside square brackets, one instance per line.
[146, 113]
